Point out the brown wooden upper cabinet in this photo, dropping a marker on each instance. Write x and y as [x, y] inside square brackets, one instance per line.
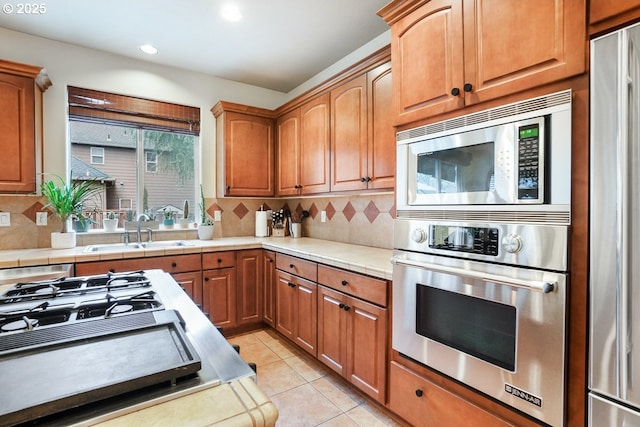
[606, 15]
[303, 149]
[447, 54]
[245, 150]
[21, 88]
[362, 132]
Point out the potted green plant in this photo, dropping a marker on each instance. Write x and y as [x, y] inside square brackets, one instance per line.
[65, 199]
[81, 221]
[184, 222]
[168, 218]
[110, 221]
[206, 227]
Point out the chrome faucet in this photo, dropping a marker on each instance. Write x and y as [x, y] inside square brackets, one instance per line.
[142, 217]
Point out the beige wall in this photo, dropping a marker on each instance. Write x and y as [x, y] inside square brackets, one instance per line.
[360, 219]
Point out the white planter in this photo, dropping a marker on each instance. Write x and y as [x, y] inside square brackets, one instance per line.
[63, 240]
[184, 223]
[110, 224]
[205, 232]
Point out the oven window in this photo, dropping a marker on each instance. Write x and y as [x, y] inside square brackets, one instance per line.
[456, 170]
[481, 328]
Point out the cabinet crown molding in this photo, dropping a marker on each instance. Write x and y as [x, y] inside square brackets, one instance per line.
[39, 74]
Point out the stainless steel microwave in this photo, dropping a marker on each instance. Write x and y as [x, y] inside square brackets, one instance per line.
[516, 154]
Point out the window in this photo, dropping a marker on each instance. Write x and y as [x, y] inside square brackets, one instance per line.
[125, 204]
[151, 146]
[97, 155]
[151, 163]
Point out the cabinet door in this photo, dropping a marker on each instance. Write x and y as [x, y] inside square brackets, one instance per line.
[249, 155]
[367, 348]
[249, 286]
[286, 304]
[381, 161]
[315, 146]
[306, 331]
[17, 134]
[288, 154]
[608, 14]
[349, 135]
[427, 60]
[219, 296]
[332, 330]
[512, 46]
[192, 285]
[423, 403]
[269, 288]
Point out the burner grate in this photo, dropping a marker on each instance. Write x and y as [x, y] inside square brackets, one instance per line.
[70, 332]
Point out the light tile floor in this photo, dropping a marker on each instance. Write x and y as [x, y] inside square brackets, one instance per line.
[306, 392]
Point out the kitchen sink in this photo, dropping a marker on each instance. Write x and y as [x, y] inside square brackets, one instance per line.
[116, 247]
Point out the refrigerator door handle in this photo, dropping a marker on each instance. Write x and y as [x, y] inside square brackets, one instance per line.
[622, 285]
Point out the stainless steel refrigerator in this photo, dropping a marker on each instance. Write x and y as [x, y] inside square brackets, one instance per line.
[614, 278]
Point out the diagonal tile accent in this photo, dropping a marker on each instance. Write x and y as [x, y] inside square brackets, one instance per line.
[30, 212]
[240, 210]
[331, 211]
[371, 212]
[349, 211]
[313, 211]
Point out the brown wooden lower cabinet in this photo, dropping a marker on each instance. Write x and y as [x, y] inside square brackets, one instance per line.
[352, 340]
[296, 315]
[249, 282]
[269, 288]
[426, 404]
[191, 282]
[219, 287]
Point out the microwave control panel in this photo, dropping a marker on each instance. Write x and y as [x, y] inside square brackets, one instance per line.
[476, 240]
[529, 168]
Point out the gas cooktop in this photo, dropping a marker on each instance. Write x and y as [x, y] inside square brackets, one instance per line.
[71, 341]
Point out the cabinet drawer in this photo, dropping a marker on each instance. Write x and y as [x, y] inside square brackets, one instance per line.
[424, 403]
[357, 285]
[212, 260]
[297, 266]
[173, 264]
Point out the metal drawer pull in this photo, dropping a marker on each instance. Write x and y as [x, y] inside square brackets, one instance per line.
[533, 285]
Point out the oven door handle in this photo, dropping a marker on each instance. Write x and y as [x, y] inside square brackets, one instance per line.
[533, 285]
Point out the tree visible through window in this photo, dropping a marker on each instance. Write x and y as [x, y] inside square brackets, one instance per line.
[165, 179]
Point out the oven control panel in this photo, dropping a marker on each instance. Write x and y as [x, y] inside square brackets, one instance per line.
[476, 240]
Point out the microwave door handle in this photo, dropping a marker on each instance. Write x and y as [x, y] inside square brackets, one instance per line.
[538, 286]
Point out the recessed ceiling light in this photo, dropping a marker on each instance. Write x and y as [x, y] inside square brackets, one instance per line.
[147, 48]
[230, 12]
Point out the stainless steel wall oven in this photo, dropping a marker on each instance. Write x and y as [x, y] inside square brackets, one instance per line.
[480, 290]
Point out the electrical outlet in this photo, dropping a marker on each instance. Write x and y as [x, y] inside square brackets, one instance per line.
[5, 219]
[323, 216]
[217, 216]
[41, 218]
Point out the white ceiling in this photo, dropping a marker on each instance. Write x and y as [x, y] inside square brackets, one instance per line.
[278, 44]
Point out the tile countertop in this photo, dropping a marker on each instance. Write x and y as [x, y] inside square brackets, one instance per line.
[375, 262]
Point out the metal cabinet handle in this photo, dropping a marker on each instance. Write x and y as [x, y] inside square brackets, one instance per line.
[455, 91]
[419, 392]
[468, 87]
[292, 266]
[174, 265]
[291, 284]
[344, 283]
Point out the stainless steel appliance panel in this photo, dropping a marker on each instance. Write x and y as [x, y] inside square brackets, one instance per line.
[542, 246]
[499, 127]
[535, 382]
[614, 355]
[606, 413]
